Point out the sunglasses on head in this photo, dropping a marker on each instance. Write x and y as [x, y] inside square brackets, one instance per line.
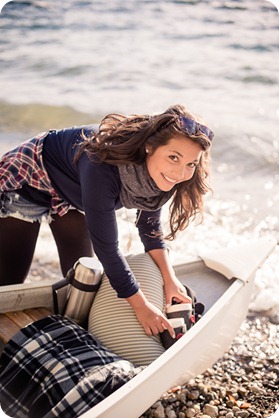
[191, 127]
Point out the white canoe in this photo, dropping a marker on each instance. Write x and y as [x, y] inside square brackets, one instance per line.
[222, 279]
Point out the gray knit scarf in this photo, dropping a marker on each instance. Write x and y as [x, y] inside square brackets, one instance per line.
[138, 190]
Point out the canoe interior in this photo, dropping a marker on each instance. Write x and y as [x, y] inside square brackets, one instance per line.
[208, 284]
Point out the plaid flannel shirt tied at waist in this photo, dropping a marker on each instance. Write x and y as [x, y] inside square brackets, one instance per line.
[24, 165]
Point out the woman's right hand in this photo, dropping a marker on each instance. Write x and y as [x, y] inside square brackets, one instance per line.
[149, 316]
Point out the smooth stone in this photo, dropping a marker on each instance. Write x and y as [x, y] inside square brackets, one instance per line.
[210, 410]
[190, 412]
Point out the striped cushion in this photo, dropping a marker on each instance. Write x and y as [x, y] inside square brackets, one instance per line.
[113, 321]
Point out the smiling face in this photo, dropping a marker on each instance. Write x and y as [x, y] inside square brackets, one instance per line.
[174, 162]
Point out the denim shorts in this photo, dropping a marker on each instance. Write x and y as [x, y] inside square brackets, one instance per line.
[15, 206]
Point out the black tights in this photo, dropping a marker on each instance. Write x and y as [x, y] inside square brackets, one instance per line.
[18, 241]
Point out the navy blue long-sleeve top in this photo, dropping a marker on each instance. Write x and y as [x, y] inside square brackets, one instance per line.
[94, 188]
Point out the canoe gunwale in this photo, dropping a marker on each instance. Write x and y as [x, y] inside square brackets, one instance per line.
[242, 261]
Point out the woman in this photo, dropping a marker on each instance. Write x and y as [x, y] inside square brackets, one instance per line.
[137, 162]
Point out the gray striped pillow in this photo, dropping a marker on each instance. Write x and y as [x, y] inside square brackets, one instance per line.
[114, 322]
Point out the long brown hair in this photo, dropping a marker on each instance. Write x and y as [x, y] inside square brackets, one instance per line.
[123, 140]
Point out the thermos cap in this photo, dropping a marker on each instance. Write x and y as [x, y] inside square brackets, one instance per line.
[90, 263]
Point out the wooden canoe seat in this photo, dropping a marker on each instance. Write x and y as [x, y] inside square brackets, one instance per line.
[12, 322]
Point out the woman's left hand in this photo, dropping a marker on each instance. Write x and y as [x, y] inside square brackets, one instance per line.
[174, 290]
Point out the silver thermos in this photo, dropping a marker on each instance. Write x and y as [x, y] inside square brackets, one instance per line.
[84, 279]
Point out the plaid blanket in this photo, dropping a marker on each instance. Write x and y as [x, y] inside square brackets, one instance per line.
[54, 368]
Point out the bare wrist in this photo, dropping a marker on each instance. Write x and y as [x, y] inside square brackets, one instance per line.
[169, 278]
[137, 300]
